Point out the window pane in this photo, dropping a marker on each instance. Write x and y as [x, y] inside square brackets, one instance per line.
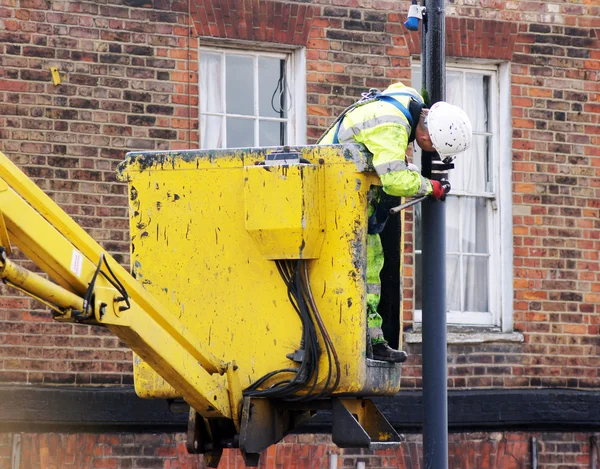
[416, 79]
[211, 132]
[417, 218]
[476, 273]
[452, 224]
[471, 172]
[454, 91]
[453, 283]
[240, 132]
[474, 225]
[489, 176]
[211, 79]
[240, 85]
[271, 133]
[272, 92]
[477, 102]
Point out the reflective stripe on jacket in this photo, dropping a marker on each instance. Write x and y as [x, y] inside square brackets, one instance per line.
[384, 130]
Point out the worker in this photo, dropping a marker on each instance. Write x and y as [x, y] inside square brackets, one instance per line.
[385, 123]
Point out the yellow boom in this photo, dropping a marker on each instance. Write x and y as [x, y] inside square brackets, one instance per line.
[248, 293]
[62, 249]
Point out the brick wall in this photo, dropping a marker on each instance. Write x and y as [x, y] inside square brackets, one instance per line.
[555, 100]
[129, 75]
[556, 128]
[148, 451]
[128, 81]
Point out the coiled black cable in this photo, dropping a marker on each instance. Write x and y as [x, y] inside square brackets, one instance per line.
[305, 377]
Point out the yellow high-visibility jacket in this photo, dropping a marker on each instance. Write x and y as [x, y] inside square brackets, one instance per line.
[385, 131]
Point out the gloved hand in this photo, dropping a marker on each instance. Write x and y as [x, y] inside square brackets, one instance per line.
[440, 189]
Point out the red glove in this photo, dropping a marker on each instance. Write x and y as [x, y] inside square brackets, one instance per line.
[440, 189]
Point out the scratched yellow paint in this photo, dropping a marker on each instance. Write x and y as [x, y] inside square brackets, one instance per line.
[205, 228]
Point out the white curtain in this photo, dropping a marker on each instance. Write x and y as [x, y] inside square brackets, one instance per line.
[211, 101]
[466, 218]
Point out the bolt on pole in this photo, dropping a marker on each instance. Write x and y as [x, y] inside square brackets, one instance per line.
[435, 392]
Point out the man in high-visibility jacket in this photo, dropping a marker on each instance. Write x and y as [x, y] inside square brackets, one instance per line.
[386, 122]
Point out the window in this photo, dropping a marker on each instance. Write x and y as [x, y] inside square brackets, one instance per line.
[478, 215]
[247, 99]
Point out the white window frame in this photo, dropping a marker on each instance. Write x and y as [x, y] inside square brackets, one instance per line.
[296, 78]
[500, 233]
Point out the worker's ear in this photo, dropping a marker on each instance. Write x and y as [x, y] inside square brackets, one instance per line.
[422, 120]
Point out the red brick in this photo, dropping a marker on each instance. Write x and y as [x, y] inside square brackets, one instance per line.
[555, 159]
[13, 86]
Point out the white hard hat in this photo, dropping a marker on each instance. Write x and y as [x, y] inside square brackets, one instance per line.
[449, 128]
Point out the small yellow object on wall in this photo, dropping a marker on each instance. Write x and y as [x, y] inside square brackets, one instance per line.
[55, 75]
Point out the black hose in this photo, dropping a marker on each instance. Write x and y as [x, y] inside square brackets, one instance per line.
[295, 277]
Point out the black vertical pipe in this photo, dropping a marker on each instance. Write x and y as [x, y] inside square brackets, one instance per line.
[435, 392]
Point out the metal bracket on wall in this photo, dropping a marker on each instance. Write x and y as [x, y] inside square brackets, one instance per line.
[16, 451]
[533, 452]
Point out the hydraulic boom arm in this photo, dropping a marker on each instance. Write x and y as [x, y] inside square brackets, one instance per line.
[88, 286]
[231, 271]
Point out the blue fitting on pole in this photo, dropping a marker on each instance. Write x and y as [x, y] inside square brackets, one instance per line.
[415, 14]
[412, 23]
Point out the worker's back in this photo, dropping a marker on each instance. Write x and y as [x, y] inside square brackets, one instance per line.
[374, 115]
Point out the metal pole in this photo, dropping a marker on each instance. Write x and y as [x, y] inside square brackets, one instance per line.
[435, 393]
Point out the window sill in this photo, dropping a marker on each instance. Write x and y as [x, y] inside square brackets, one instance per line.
[469, 335]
